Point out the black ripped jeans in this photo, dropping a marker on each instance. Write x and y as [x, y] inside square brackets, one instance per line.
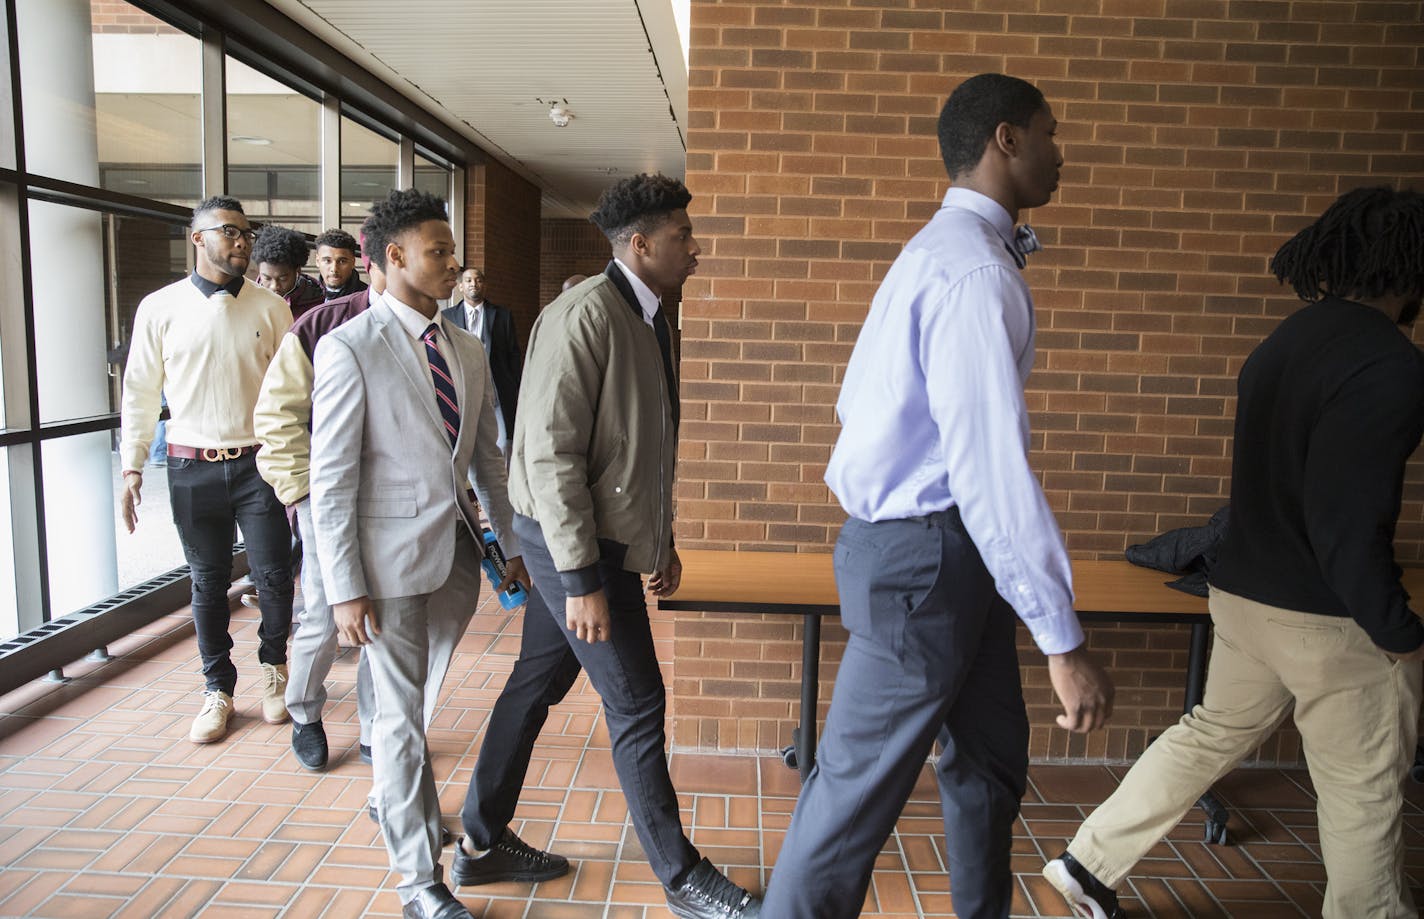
[208, 498]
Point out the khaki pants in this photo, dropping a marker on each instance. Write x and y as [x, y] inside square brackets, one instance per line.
[1357, 711]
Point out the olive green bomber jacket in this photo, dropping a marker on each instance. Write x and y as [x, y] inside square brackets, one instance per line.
[594, 443]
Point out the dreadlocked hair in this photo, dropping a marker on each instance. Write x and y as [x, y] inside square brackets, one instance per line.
[1369, 243]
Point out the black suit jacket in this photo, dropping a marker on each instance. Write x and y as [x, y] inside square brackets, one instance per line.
[506, 358]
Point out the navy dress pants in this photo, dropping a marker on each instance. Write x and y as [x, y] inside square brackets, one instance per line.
[930, 657]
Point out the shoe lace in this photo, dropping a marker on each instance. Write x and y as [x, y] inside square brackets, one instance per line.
[273, 677]
[513, 845]
[720, 891]
[213, 700]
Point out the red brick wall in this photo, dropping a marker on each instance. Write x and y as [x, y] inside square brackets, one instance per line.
[1198, 135]
[502, 235]
[110, 16]
[568, 247]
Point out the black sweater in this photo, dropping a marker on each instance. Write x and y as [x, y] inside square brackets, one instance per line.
[1330, 407]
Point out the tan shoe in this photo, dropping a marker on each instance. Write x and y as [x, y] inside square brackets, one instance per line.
[211, 723]
[274, 693]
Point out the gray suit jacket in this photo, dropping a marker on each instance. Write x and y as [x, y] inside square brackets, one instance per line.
[387, 492]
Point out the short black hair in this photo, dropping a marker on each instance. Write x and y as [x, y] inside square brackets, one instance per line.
[338, 239]
[280, 246]
[974, 112]
[398, 212]
[1369, 243]
[217, 203]
[638, 205]
[475, 268]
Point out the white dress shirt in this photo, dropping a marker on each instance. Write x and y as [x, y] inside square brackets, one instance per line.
[414, 322]
[475, 319]
[648, 301]
[933, 416]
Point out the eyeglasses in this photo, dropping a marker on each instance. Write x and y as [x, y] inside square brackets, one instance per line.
[231, 232]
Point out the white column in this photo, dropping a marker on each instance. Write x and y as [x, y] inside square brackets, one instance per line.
[67, 272]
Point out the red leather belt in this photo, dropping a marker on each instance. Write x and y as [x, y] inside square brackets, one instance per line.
[210, 454]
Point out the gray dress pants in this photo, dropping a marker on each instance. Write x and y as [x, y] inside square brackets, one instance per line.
[313, 647]
[409, 659]
[931, 656]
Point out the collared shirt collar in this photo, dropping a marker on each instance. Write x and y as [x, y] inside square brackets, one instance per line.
[474, 316]
[984, 207]
[411, 319]
[208, 288]
[647, 300]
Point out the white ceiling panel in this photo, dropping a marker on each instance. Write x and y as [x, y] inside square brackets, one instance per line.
[493, 66]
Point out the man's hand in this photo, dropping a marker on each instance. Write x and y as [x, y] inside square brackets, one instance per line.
[131, 498]
[514, 570]
[587, 617]
[356, 620]
[664, 583]
[1083, 688]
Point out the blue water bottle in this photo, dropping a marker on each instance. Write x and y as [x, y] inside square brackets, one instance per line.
[493, 563]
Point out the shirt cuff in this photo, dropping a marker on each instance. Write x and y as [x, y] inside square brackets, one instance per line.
[582, 581]
[1056, 634]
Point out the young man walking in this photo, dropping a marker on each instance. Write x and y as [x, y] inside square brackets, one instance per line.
[282, 422]
[949, 537]
[591, 482]
[401, 416]
[205, 342]
[1306, 602]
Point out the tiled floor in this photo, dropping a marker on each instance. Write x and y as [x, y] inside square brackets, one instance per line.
[106, 810]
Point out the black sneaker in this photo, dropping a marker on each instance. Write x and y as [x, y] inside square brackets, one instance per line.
[309, 744]
[511, 859]
[707, 894]
[1088, 896]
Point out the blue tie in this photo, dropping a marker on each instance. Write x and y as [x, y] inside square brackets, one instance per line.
[444, 386]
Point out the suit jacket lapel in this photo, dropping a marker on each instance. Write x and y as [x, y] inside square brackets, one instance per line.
[398, 341]
[463, 369]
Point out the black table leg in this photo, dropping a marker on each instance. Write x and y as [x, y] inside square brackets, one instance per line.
[1216, 812]
[804, 738]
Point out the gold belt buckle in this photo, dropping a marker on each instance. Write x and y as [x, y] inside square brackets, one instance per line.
[213, 454]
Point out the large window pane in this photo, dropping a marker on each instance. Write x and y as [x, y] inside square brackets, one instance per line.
[14, 386]
[274, 149]
[7, 100]
[91, 555]
[110, 100]
[369, 165]
[432, 177]
[81, 342]
[9, 588]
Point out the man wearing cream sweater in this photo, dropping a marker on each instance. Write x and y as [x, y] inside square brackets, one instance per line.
[206, 341]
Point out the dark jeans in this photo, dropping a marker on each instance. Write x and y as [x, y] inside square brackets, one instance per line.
[624, 671]
[930, 656]
[208, 498]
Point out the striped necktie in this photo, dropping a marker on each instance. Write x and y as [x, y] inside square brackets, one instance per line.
[444, 385]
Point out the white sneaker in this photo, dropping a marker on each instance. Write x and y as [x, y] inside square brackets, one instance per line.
[250, 601]
[274, 693]
[211, 723]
